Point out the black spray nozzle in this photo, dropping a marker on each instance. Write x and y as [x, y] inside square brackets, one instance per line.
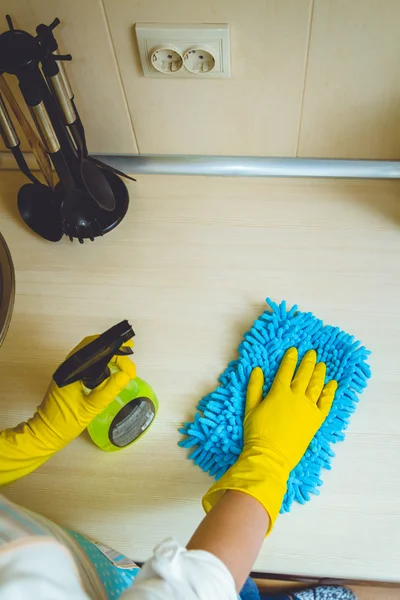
[89, 364]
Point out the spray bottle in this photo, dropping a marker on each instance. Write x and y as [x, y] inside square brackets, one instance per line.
[127, 418]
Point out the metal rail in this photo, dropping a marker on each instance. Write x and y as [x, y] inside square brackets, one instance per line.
[252, 166]
[237, 166]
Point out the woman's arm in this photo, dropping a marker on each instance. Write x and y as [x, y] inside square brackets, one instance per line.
[234, 531]
[243, 505]
[61, 417]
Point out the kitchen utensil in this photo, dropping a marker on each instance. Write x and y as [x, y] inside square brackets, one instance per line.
[49, 43]
[73, 203]
[11, 141]
[102, 221]
[47, 39]
[78, 214]
[92, 177]
[109, 168]
[40, 209]
[17, 46]
[34, 141]
[75, 212]
[20, 55]
[78, 211]
[36, 202]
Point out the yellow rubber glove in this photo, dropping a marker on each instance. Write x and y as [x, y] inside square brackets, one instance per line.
[277, 430]
[63, 414]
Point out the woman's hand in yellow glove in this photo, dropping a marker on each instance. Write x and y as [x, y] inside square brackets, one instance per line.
[277, 430]
[293, 410]
[63, 414]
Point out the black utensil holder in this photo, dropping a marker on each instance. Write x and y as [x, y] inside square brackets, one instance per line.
[33, 60]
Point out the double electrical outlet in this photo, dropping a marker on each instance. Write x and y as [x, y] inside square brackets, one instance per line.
[184, 50]
[170, 61]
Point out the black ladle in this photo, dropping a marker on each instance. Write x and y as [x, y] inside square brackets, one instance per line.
[39, 209]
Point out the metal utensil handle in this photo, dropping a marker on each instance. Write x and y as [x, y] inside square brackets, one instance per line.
[11, 141]
[7, 129]
[64, 76]
[79, 131]
[45, 127]
[58, 87]
[41, 156]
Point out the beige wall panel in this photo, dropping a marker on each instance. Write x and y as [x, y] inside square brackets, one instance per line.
[254, 112]
[93, 73]
[352, 93]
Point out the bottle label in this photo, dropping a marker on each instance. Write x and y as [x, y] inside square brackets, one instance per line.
[131, 421]
[116, 558]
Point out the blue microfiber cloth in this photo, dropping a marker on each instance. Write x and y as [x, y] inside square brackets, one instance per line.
[216, 433]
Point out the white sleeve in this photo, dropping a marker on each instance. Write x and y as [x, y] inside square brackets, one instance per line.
[175, 573]
[39, 568]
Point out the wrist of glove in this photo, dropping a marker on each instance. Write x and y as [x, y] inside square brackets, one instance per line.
[63, 414]
[277, 430]
[260, 472]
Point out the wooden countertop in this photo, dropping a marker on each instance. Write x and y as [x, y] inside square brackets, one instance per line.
[190, 267]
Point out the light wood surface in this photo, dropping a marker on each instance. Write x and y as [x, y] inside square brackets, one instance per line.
[190, 267]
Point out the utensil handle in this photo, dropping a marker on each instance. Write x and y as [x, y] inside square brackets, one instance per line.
[7, 129]
[58, 88]
[49, 120]
[52, 70]
[56, 83]
[64, 76]
[31, 90]
[80, 131]
[11, 140]
[79, 128]
[61, 88]
[22, 164]
[34, 141]
[45, 127]
[63, 170]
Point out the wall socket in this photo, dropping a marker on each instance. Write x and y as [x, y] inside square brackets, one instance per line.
[174, 51]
